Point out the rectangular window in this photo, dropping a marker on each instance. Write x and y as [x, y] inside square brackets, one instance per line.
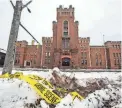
[34, 61]
[65, 34]
[96, 56]
[65, 28]
[100, 62]
[18, 61]
[45, 61]
[114, 61]
[65, 43]
[27, 63]
[96, 62]
[85, 54]
[118, 61]
[48, 48]
[82, 54]
[82, 61]
[120, 55]
[85, 62]
[114, 54]
[49, 54]
[48, 61]
[46, 54]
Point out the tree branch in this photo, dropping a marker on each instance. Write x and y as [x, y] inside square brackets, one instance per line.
[26, 4]
[12, 4]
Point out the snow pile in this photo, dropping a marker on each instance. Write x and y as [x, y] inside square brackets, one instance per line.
[15, 93]
[101, 90]
[105, 98]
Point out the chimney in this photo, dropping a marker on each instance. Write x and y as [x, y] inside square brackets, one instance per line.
[32, 43]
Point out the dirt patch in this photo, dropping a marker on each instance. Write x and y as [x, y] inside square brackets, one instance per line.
[70, 84]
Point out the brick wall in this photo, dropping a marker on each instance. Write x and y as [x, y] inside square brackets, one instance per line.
[97, 54]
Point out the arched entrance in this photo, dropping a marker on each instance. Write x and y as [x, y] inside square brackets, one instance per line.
[65, 61]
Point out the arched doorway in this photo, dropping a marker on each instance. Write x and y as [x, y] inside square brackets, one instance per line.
[65, 61]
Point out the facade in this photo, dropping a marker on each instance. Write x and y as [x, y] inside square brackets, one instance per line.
[113, 50]
[27, 55]
[65, 49]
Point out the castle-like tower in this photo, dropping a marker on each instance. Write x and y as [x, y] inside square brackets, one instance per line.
[65, 38]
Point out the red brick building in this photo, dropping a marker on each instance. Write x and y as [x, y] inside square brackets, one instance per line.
[27, 55]
[65, 49]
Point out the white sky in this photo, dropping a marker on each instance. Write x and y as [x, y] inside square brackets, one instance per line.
[96, 17]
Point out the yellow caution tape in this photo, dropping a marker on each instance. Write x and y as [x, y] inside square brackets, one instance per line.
[6, 75]
[75, 94]
[47, 83]
[61, 90]
[45, 93]
[35, 77]
[42, 88]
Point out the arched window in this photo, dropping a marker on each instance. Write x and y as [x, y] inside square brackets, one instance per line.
[65, 27]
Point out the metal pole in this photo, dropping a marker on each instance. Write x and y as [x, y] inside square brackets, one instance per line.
[105, 53]
[29, 33]
[10, 54]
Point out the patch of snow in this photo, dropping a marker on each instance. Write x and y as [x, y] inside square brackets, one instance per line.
[15, 93]
[66, 102]
[82, 82]
[56, 69]
[43, 104]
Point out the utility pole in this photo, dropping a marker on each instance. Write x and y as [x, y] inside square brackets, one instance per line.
[10, 54]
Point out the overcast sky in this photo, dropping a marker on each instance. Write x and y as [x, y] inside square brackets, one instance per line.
[96, 17]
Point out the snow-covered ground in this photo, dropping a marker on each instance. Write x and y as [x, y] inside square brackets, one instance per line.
[15, 93]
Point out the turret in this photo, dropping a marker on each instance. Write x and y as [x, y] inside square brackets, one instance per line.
[61, 12]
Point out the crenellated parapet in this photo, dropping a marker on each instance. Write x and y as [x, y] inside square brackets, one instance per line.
[23, 43]
[84, 40]
[61, 11]
[113, 44]
[47, 40]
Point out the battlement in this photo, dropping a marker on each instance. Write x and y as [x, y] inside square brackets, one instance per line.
[61, 11]
[113, 42]
[23, 43]
[84, 40]
[47, 40]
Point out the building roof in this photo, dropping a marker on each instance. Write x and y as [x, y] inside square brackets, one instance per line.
[97, 46]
